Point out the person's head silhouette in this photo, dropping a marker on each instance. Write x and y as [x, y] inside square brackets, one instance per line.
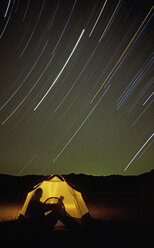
[37, 195]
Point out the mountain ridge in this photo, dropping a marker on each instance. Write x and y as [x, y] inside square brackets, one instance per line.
[83, 182]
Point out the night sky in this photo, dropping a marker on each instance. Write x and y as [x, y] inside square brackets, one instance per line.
[76, 91]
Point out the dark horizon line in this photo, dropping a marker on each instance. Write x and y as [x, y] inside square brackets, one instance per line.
[76, 174]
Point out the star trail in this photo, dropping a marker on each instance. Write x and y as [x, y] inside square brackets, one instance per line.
[76, 87]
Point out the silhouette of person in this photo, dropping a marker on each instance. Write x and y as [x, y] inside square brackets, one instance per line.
[36, 212]
[36, 209]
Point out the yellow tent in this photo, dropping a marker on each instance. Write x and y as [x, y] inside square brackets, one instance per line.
[55, 188]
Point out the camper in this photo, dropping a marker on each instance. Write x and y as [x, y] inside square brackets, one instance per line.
[53, 201]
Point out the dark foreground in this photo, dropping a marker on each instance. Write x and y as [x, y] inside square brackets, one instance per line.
[97, 233]
[122, 210]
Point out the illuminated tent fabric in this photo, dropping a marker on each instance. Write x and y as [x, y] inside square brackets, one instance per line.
[54, 188]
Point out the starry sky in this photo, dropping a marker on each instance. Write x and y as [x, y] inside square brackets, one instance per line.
[76, 92]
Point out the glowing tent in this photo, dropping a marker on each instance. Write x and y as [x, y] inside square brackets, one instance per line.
[56, 188]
